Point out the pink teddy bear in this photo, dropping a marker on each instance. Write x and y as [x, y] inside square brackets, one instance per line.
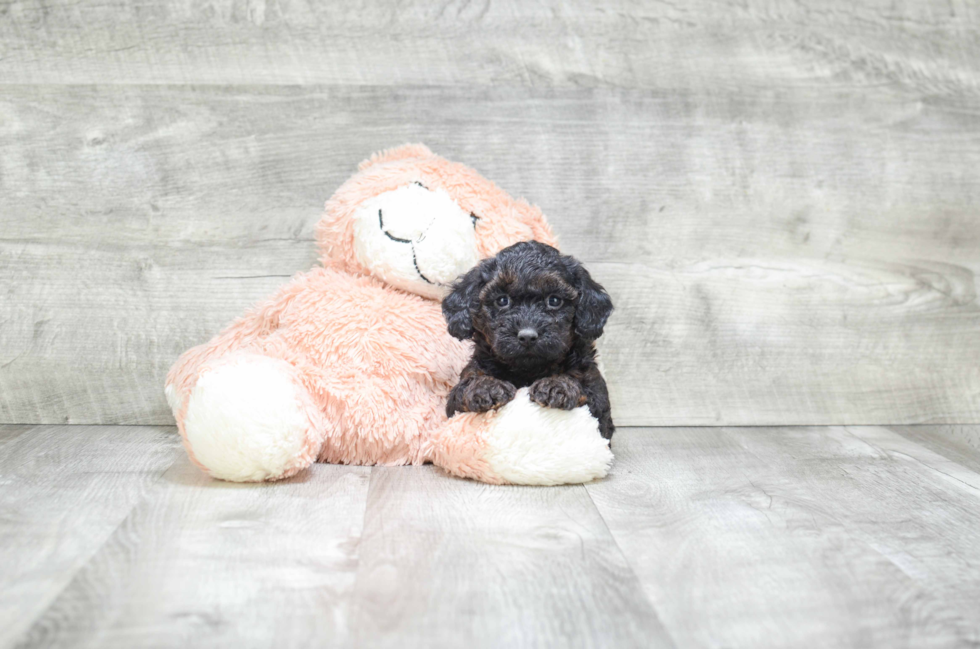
[352, 363]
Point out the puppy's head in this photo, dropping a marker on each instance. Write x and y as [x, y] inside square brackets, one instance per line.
[529, 303]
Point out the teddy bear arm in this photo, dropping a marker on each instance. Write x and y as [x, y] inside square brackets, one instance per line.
[522, 443]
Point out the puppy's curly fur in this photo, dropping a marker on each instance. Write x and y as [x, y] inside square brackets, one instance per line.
[534, 315]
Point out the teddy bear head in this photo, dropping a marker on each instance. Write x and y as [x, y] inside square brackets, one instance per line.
[418, 221]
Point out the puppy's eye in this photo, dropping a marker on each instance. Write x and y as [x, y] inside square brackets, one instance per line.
[503, 300]
[554, 301]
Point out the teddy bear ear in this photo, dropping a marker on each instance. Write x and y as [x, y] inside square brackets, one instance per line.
[402, 152]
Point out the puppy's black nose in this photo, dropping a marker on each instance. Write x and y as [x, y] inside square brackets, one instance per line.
[527, 336]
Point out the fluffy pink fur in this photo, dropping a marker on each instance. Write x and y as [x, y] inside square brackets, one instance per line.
[372, 364]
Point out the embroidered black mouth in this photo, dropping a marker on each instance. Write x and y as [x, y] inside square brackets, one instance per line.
[416, 264]
[381, 222]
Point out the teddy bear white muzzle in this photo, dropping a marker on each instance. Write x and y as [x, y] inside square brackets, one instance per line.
[416, 239]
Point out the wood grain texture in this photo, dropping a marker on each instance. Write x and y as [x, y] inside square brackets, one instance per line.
[9, 433]
[63, 491]
[453, 563]
[958, 443]
[796, 256]
[703, 44]
[914, 507]
[736, 537]
[206, 563]
[761, 537]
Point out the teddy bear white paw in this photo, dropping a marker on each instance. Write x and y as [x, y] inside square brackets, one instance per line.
[531, 445]
[245, 422]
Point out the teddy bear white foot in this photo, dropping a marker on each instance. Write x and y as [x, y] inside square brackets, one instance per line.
[531, 445]
[246, 421]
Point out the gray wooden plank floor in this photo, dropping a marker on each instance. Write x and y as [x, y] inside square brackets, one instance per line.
[61, 497]
[700, 537]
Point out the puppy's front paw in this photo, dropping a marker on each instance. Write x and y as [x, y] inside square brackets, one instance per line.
[481, 394]
[562, 392]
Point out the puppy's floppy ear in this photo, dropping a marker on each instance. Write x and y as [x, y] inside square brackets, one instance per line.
[459, 305]
[593, 306]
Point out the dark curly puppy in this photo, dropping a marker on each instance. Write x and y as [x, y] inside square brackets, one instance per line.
[534, 315]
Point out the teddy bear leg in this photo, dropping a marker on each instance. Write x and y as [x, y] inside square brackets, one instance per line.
[248, 418]
[523, 443]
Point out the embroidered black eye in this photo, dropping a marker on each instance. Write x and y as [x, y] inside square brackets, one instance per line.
[502, 301]
[474, 218]
[554, 301]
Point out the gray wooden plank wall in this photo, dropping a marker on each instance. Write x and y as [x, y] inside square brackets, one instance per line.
[783, 198]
